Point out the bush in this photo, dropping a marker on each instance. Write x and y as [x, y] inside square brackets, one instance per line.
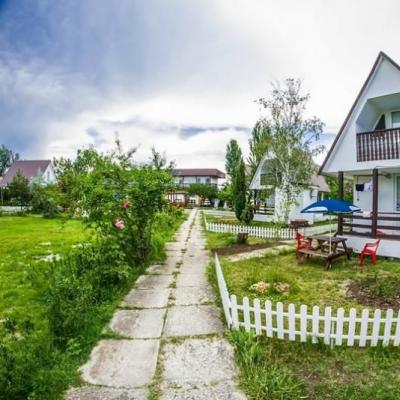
[45, 200]
[247, 214]
[86, 278]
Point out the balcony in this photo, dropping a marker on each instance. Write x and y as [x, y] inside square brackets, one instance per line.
[385, 226]
[378, 145]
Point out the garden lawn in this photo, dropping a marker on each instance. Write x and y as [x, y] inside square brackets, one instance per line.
[25, 241]
[279, 369]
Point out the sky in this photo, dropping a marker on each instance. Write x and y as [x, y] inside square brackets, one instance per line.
[179, 75]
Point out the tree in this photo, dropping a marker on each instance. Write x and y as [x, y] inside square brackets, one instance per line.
[7, 157]
[258, 144]
[18, 189]
[239, 189]
[232, 157]
[204, 190]
[333, 184]
[292, 141]
[225, 194]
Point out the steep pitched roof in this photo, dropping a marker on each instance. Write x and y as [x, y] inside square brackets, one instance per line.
[198, 172]
[381, 56]
[28, 168]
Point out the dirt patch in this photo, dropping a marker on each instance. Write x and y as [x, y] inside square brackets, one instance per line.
[369, 293]
[243, 248]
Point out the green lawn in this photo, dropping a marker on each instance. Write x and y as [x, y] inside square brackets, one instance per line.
[279, 369]
[24, 242]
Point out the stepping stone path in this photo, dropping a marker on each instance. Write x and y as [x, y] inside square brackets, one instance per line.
[171, 343]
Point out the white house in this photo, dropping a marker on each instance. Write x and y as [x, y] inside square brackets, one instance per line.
[367, 151]
[187, 176]
[271, 208]
[30, 169]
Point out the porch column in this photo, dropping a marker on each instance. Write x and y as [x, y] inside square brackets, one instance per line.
[341, 196]
[374, 224]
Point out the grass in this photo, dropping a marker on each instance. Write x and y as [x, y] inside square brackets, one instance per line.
[24, 242]
[273, 369]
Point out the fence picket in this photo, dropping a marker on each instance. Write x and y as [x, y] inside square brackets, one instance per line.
[375, 327]
[292, 321]
[327, 325]
[246, 314]
[315, 324]
[303, 323]
[268, 318]
[352, 326]
[364, 327]
[235, 317]
[257, 316]
[339, 326]
[279, 320]
[388, 327]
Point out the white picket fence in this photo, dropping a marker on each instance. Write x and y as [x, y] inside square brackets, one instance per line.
[266, 232]
[301, 323]
[257, 231]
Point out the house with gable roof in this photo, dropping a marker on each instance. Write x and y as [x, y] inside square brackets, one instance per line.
[366, 151]
[30, 169]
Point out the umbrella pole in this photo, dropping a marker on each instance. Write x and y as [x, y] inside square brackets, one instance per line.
[330, 234]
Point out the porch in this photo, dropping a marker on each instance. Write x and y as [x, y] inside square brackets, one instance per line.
[380, 216]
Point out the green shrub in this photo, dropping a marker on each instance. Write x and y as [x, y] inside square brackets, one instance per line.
[247, 214]
[45, 199]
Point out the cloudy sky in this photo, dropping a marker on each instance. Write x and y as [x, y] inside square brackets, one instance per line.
[180, 75]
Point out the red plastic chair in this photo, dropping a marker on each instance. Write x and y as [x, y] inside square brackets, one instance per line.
[370, 249]
[302, 243]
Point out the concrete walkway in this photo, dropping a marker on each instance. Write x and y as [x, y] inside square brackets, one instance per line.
[169, 342]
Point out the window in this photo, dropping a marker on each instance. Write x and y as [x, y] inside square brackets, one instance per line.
[208, 180]
[396, 119]
[381, 124]
[398, 193]
[198, 180]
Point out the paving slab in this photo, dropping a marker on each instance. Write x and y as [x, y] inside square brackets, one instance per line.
[161, 269]
[197, 279]
[193, 320]
[222, 391]
[198, 361]
[103, 393]
[146, 298]
[122, 363]
[186, 296]
[138, 324]
[175, 246]
[154, 281]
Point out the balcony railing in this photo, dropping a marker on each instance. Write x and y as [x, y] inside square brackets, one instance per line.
[388, 225]
[378, 145]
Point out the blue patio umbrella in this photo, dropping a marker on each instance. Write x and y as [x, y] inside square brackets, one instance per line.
[333, 206]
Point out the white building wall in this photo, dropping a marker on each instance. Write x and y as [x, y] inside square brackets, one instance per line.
[385, 81]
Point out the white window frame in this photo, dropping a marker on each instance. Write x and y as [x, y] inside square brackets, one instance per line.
[391, 120]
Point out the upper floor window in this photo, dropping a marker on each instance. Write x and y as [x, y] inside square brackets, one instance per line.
[396, 119]
[381, 124]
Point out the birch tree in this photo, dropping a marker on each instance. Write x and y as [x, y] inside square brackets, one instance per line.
[292, 141]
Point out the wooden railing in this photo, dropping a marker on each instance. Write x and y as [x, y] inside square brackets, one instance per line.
[388, 225]
[378, 145]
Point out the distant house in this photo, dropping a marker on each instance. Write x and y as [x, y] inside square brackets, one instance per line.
[186, 177]
[30, 169]
[271, 207]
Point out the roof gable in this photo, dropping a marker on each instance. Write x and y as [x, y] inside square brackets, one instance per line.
[28, 168]
[367, 86]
